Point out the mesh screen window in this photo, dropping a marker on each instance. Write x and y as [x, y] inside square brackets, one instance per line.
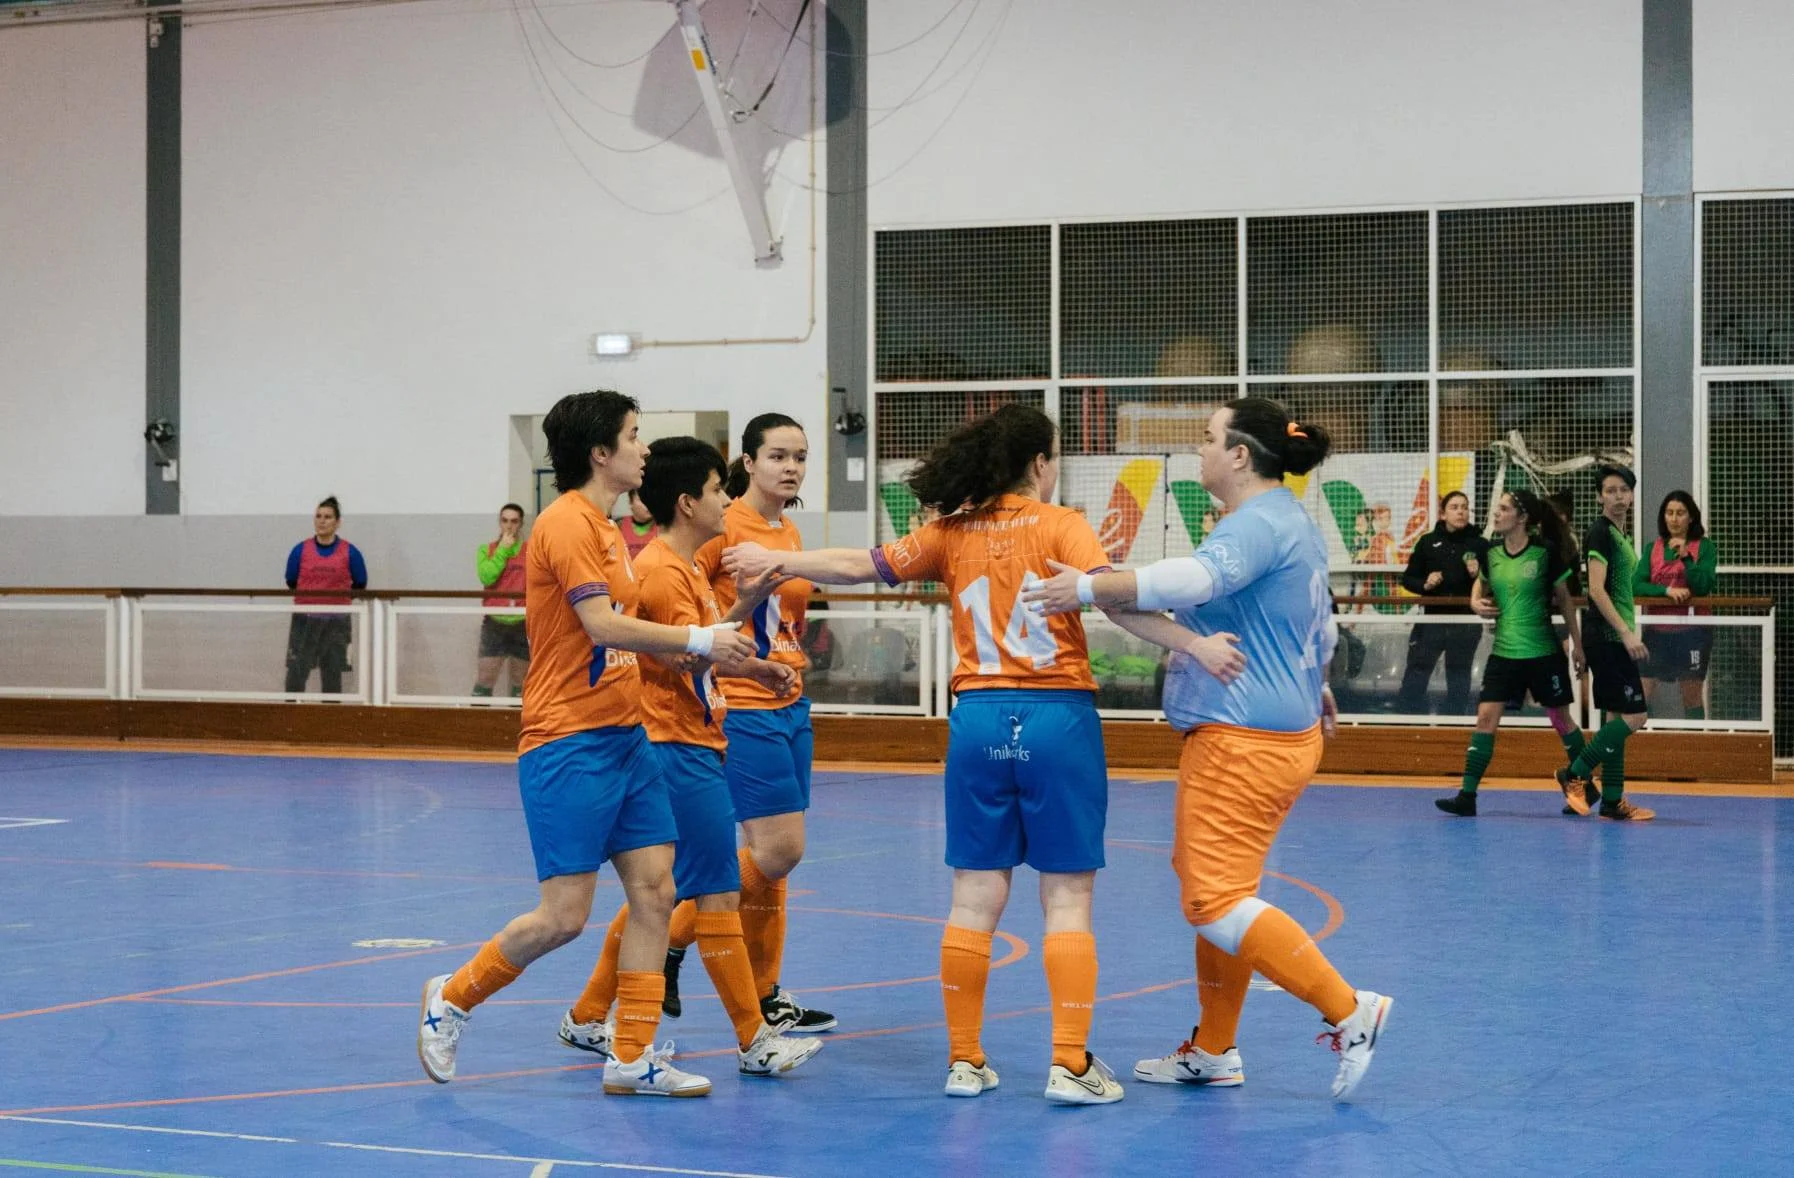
[1747, 282]
[1537, 287]
[963, 304]
[1750, 471]
[1337, 294]
[1149, 298]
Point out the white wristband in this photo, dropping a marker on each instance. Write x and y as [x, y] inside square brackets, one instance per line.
[699, 640]
[1087, 588]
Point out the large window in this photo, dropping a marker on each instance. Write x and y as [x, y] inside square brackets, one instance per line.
[1442, 349]
[1746, 409]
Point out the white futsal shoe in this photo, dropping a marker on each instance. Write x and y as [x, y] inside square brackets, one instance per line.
[652, 1075]
[439, 1028]
[593, 1037]
[967, 1079]
[1097, 1085]
[1355, 1040]
[1190, 1064]
[773, 1054]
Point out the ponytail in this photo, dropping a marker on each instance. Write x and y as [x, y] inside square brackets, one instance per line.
[1278, 443]
[1550, 526]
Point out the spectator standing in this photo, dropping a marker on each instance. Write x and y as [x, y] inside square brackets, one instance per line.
[638, 527]
[1446, 563]
[321, 571]
[503, 637]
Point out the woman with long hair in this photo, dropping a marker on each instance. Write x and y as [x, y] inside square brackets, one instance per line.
[1026, 780]
[1682, 562]
[1525, 579]
[1253, 734]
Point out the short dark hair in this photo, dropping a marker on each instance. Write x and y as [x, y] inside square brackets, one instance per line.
[516, 507]
[1604, 473]
[675, 467]
[577, 423]
[330, 502]
[1278, 443]
[1696, 528]
[1445, 499]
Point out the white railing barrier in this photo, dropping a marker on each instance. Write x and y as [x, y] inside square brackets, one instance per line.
[886, 660]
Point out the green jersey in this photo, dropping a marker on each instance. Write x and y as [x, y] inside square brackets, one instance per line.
[1613, 548]
[1523, 585]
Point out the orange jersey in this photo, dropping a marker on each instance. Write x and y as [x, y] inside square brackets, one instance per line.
[777, 624]
[575, 554]
[986, 559]
[678, 707]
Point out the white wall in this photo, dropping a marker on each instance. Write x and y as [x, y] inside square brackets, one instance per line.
[72, 270]
[1743, 95]
[1069, 108]
[389, 249]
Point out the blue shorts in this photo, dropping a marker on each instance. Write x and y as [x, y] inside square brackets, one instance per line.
[593, 795]
[1026, 781]
[704, 862]
[769, 760]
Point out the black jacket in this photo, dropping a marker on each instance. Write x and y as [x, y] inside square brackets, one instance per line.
[1446, 552]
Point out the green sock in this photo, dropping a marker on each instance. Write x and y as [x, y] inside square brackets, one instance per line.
[1476, 760]
[482, 692]
[1574, 743]
[1613, 776]
[1613, 734]
[1697, 712]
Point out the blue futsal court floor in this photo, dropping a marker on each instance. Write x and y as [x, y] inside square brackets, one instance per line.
[193, 981]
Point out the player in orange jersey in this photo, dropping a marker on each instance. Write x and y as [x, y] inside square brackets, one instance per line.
[683, 488]
[770, 742]
[1026, 780]
[591, 784]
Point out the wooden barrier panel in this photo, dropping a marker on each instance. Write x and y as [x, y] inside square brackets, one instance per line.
[1744, 758]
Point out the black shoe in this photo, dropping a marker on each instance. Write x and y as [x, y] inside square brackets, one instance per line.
[670, 1005]
[1463, 804]
[782, 1010]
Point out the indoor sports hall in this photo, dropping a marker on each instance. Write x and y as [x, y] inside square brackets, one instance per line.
[303, 303]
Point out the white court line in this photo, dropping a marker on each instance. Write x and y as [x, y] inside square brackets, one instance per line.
[543, 1166]
[16, 823]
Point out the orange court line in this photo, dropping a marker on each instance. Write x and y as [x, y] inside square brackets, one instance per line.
[254, 977]
[1018, 949]
[167, 865]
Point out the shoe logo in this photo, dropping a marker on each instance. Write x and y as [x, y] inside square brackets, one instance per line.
[1089, 1081]
[433, 1021]
[652, 1073]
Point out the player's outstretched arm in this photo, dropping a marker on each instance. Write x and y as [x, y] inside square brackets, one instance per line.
[823, 566]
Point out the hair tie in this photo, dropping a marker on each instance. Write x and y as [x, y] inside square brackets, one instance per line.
[1295, 431]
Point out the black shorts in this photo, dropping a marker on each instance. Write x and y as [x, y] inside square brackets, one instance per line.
[1507, 681]
[503, 640]
[1679, 654]
[1618, 687]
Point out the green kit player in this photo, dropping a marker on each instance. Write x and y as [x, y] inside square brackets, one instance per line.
[1525, 578]
[1614, 652]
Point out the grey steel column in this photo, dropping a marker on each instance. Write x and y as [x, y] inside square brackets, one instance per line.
[1666, 259]
[162, 257]
[846, 257]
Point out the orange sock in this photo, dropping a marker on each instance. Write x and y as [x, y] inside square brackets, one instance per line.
[682, 930]
[1070, 960]
[965, 968]
[1221, 984]
[481, 978]
[1282, 950]
[726, 961]
[762, 923]
[601, 988]
[638, 1013]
